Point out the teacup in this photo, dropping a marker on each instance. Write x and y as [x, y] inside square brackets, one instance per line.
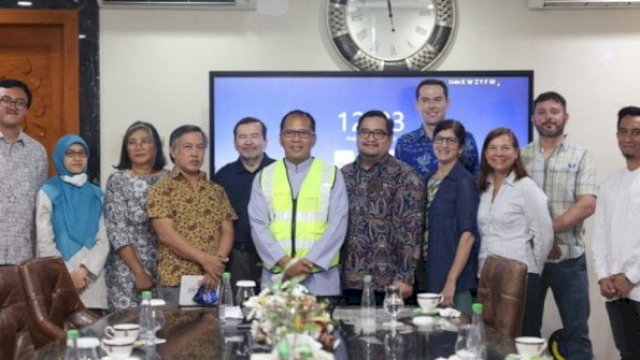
[528, 346]
[126, 331]
[428, 302]
[118, 347]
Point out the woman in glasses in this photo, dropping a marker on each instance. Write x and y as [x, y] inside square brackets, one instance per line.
[69, 222]
[513, 216]
[451, 231]
[132, 264]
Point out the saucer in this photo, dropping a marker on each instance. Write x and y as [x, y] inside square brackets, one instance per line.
[430, 313]
[157, 341]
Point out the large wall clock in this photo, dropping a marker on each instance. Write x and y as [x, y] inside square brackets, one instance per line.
[391, 35]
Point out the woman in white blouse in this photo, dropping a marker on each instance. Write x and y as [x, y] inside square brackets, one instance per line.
[513, 216]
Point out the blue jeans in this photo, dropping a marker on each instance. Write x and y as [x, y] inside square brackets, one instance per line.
[569, 284]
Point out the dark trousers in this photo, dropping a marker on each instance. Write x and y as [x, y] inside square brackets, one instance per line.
[624, 316]
[244, 264]
[533, 291]
[569, 284]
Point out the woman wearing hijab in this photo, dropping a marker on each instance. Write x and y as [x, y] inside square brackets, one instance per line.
[69, 221]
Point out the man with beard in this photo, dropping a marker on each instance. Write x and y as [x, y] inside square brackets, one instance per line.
[566, 172]
[250, 140]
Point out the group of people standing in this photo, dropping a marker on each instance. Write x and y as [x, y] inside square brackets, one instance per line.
[424, 220]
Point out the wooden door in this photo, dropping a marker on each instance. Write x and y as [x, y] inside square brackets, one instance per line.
[40, 48]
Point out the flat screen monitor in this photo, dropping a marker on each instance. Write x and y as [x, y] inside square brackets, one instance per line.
[481, 100]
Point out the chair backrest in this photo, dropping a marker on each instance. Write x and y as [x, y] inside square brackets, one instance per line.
[52, 300]
[15, 333]
[502, 290]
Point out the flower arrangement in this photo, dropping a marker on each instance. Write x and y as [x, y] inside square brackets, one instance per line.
[287, 313]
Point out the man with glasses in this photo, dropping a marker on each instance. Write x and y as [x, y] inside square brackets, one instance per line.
[567, 174]
[192, 217]
[298, 212]
[23, 169]
[250, 139]
[616, 244]
[386, 207]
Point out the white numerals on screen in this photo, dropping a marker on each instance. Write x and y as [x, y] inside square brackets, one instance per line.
[351, 120]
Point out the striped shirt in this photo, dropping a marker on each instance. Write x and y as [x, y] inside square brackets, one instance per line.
[569, 173]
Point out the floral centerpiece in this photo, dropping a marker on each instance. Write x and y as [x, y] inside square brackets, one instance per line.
[288, 314]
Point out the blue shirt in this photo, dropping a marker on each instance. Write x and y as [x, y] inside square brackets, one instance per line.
[452, 212]
[416, 149]
[236, 181]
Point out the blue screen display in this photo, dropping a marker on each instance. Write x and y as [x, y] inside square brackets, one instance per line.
[481, 100]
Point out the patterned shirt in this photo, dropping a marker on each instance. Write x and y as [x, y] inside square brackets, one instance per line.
[416, 149]
[386, 214]
[127, 224]
[569, 172]
[197, 215]
[23, 169]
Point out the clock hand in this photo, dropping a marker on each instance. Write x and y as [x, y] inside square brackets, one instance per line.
[393, 28]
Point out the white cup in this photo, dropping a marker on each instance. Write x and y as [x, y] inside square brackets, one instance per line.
[118, 347]
[126, 331]
[428, 302]
[528, 346]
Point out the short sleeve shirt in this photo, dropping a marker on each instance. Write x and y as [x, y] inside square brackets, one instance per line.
[197, 215]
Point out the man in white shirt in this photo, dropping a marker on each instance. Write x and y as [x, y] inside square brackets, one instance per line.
[616, 242]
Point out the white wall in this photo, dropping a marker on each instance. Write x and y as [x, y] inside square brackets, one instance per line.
[154, 66]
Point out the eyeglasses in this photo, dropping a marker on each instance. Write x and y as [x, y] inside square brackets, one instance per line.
[142, 142]
[7, 101]
[302, 134]
[377, 134]
[445, 140]
[76, 154]
[634, 133]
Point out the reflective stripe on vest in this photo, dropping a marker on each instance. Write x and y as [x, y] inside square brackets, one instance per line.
[297, 223]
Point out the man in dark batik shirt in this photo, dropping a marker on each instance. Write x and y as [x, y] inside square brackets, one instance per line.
[386, 212]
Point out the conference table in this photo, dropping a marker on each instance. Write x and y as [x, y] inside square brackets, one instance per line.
[196, 333]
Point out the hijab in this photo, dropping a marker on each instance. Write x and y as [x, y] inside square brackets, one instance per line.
[77, 203]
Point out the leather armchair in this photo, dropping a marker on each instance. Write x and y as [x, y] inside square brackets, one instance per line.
[502, 290]
[52, 301]
[15, 333]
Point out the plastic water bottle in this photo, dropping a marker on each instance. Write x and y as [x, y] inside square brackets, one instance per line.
[71, 350]
[225, 296]
[476, 342]
[147, 327]
[368, 307]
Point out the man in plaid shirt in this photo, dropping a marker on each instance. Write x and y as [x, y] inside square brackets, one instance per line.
[566, 172]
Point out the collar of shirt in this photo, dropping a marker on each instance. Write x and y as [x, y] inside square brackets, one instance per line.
[239, 168]
[383, 162]
[20, 139]
[301, 167]
[509, 180]
[177, 174]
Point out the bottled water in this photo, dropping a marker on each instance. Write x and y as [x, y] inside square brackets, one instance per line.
[225, 296]
[476, 341]
[71, 350]
[368, 307]
[147, 326]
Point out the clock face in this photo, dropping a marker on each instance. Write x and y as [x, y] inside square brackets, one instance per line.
[390, 30]
[397, 35]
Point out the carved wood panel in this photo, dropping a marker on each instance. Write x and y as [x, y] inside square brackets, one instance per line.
[39, 48]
